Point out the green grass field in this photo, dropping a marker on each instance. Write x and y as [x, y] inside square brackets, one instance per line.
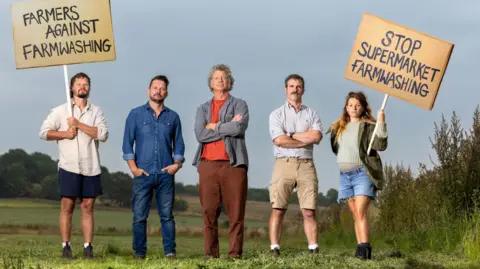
[26, 248]
[22, 213]
[35, 251]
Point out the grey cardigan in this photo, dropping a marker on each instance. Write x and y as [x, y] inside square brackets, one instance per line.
[232, 133]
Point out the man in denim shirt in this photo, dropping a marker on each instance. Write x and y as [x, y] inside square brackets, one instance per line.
[159, 153]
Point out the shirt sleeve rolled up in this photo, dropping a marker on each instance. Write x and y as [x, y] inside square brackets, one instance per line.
[102, 127]
[49, 124]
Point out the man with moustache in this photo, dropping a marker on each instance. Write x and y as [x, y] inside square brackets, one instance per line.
[294, 129]
[156, 131]
[222, 161]
[79, 161]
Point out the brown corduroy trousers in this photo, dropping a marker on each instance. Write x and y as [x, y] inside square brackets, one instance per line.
[219, 181]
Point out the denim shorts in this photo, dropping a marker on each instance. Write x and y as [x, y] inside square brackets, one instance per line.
[354, 183]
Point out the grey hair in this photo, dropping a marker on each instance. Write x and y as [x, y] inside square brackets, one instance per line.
[224, 68]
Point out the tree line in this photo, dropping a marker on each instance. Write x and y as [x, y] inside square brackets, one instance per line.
[35, 176]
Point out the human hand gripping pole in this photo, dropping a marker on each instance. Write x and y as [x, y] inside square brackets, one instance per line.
[69, 100]
[376, 125]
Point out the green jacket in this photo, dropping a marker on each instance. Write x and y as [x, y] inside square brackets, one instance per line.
[372, 162]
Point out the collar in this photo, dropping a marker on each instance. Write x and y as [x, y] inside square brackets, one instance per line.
[147, 107]
[87, 107]
[289, 106]
[228, 100]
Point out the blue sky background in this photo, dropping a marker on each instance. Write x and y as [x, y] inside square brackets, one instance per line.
[262, 42]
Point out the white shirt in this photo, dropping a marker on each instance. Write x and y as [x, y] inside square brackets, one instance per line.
[79, 155]
[285, 119]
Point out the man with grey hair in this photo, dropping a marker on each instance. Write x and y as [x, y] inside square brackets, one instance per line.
[222, 161]
[294, 128]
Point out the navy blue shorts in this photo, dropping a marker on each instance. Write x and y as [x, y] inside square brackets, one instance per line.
[76, 185]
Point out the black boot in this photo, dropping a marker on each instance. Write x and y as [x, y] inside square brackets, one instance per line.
[369, 252]
[357, 251]
[365, 251]
[362, 252]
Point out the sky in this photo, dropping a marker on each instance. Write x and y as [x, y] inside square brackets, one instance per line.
[262, 42]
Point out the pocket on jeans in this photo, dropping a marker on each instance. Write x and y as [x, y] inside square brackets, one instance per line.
[311, 165]
[344, 182]
[135, 178]
[362, 179]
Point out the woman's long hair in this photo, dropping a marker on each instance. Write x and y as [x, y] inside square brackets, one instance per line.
[339, 125]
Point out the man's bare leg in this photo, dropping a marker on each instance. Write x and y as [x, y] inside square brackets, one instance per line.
[67, 205]
[276, 226]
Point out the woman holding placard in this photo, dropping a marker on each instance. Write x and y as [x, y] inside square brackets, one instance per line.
[361, 174]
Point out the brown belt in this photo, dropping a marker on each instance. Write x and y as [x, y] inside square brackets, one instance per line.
[295, 159]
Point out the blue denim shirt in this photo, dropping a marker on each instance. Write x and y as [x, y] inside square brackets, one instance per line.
[158, 141]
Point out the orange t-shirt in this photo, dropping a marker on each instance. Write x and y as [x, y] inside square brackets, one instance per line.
[215, 150]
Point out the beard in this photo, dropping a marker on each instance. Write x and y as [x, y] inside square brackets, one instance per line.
[83, 94]
[158, 100]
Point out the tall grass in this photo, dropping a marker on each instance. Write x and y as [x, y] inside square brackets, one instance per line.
[471, 240]
[440, 232]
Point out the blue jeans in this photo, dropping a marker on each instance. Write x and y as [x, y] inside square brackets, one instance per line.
[354, 183]
[142, 191]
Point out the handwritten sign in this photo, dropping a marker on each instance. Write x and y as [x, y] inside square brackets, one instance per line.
[398, 61]
[58, 32]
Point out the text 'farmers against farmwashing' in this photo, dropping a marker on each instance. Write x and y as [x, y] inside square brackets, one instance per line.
[59, 32]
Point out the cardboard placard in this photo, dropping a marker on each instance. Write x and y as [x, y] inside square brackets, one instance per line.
[61, 32]
[398, 61]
